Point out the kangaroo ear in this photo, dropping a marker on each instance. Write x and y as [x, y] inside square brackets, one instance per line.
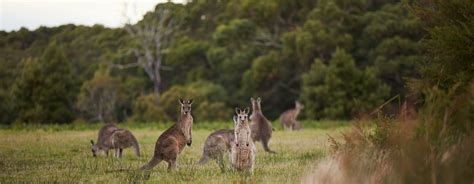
[259, 99]
[92, 142]
[252, 99]
[237, 110]
[181, 101]
[246, 110]
[235, 119]
[190, 101]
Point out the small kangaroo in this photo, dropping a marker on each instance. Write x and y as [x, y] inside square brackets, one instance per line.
[261, 127]
[173, 140]
[288, 118]
[217, 144]
[243, 149]
[122, 139]
[103, 141]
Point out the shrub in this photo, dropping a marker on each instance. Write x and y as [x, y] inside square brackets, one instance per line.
[208, 103]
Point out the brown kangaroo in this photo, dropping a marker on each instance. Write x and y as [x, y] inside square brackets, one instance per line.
[103, 139]
[121, 139]
[288, 118]
[243, 150]
[261, 127]
[173, 140]
[216, 146]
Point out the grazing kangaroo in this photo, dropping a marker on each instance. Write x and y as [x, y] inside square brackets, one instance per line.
[288, 118]
[242, 148]
[121, 139]
[261, 127]
[217, 144]
[103, 141]
[173, 140]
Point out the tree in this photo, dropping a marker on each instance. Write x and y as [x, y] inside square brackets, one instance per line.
[231, 54]
[152, 36]
[272, 78]
[390, 41]
[100, 97]
[45, 91]
[340, 89]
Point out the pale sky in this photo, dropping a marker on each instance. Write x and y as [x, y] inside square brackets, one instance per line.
[32, 14]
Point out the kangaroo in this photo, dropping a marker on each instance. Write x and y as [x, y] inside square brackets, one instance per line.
[288, 118]
[121, 139]
[217, 144]
[261, 127]
[173, 140]
[103, 141]
[243, 150]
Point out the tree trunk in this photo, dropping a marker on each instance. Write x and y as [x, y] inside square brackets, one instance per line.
[156, 88]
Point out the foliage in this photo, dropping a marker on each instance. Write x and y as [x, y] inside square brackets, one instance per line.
[437, 145]
[336, 88]
[248, 48]
[100, 97]
[45, 92]
[208, 101]
[146, 110]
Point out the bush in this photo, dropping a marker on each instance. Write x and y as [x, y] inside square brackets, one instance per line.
[146, 110]
[208, 103]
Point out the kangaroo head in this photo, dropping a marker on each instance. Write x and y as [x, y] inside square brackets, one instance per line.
[256, 103]
[242, 115]
[94, 148]
[186, 106]
[299, 105]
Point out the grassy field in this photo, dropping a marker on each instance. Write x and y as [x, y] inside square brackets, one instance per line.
[65, 156]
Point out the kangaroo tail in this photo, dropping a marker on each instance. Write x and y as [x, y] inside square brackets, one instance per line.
[152, 163]
[203, 159]
[135, 146]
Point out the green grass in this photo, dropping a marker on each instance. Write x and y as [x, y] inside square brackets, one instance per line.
[50, 155]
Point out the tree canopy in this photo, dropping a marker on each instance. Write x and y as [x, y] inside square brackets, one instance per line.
[338, 57]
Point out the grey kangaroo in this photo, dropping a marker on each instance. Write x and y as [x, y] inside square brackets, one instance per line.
[216, 146]
[103, 141]
[261, 127]
[122, 139]
[174, 139]
[288, 118]
[111, 137]
[243, 150]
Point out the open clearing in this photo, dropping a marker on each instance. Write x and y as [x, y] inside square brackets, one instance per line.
[65, 156]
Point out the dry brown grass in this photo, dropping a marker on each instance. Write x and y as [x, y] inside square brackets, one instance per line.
[434, 146]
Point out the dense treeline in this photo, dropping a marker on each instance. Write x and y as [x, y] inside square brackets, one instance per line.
[340, 58]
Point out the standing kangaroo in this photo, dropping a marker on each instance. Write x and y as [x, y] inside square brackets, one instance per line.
[261, 127]
[103, 139]
[121, 139]
[174, 139]
[288, 118]
[243, 149]
[216, 146]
